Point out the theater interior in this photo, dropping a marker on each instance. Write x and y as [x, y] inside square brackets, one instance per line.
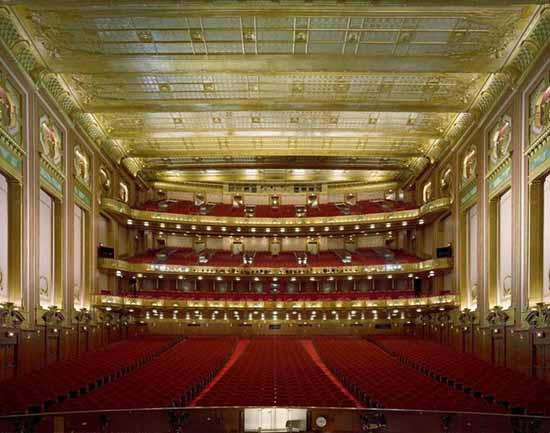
[231, 216]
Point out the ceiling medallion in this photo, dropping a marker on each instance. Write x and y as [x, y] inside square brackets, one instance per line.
[196, 35]
[249, 35]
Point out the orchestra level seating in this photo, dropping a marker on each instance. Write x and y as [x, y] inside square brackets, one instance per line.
[172, 379]
[66, 379]
[275, 372]
[379, 380]
[376, 371]
[509, 388]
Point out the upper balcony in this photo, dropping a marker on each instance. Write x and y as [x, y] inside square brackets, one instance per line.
[329, 218]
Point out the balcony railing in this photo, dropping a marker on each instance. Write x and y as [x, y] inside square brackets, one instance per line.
[213, 300]
[243, 420]
[122, 209]
[391, 268]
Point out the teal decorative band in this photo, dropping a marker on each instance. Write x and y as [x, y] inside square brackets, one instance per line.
[503, 177]
[50, 180]
[83, 196]
[539, 158]
[468, 195]
[12, 160]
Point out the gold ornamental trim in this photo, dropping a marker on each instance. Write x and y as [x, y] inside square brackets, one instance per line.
[538, 155]
[119, 208]
[11, 155]
[386, 269]
[138, 302]
[500, 178]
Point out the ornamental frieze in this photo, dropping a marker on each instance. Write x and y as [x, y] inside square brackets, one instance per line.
[81, 165]
[446, 182]
[539, 109]
[51, 141]
[500, 141]
[10, 109]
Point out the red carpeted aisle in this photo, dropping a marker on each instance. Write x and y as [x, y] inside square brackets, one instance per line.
[310, 349]
[239, 349]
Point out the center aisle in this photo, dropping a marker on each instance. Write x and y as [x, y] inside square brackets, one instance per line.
[239, 349]
[310, 349]
[275, 372]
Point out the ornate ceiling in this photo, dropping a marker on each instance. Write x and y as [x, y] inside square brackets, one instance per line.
[340, 90]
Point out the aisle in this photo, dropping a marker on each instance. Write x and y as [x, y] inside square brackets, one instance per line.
[239, 349]
[310, 349]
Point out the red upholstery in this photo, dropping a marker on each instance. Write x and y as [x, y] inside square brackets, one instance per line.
[275, 372]
[83, 372]
[282, 211]
[380, 380]
[361, 257]
[504, 384]
[174, 377]
[246, 296]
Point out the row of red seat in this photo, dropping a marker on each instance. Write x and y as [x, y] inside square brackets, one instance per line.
[303, 296]
[60, 380]
[379, 380]
[282, 211]
[275, 372]
[462, 370]
[360, 257]
[172, 379]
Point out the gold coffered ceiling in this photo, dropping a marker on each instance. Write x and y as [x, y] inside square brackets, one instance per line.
[366, 88]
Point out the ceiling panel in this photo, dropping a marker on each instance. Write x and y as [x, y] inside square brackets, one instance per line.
[171, 81]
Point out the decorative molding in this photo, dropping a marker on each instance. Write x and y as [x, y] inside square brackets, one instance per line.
[10, 315]
[22, 49]
[117, 207]
[51, 179]
[500, 177]
[538, 155]
[468, 194]
[83, 197]
[156, 268]
[204, 300]
[53, 317]
[11, 155]
[508, 78]
[497, 316]
[539, 317]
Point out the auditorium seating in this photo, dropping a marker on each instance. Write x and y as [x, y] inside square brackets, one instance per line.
[249, 296]
[379, 380]
[275, 372]
[56, 382]
[510, 388]
[281, 211]
[172, 379]
[288, 259]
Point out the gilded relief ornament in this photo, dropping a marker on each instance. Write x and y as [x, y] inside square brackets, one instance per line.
[469, 164]
[104, 184]
[500, 140]
[542, 109]
[81, 165]
[76, 294]
[123, 192]
[427, 192]
[10, 109]
[51, 141]
[105, 180]
[474, 292]
[446, 182]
